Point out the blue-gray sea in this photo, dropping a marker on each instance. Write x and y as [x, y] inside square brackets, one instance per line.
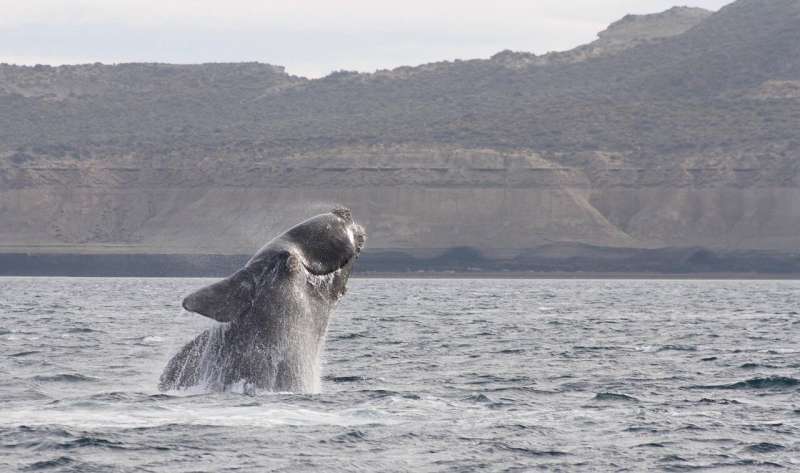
[428, 375]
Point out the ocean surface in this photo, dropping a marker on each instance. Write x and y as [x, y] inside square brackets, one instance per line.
[419, 375]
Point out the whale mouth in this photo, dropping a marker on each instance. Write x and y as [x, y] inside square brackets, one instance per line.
[358, 237]
[315, 272]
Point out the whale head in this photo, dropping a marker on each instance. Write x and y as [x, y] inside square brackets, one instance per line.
[315, 256]
[323, 244]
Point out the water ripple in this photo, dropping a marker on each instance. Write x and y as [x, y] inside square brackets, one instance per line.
[420, 375]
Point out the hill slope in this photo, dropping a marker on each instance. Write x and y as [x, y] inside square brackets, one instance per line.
[674, 129]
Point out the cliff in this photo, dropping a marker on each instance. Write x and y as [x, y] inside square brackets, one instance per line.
[678, 129]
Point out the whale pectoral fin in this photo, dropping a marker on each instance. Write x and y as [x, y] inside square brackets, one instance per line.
[225, 300]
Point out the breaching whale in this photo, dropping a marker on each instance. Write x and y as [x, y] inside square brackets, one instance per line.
[275, 312]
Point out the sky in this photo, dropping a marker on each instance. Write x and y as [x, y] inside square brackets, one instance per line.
[309, 37]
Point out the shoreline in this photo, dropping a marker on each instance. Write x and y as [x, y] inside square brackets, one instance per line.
[483, 276]
[722, 276]
[658, 264]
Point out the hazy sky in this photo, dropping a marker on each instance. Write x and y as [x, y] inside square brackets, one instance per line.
[309, 37]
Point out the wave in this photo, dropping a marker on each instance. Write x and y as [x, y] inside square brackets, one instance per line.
[677, 348]
[350, 336]
[771, 382]
[653, 445]
[723, 466]
[82, 330]
[129, 396]
[95, 442]
[385, 393]
[511, 351]
[530, 451]
[24, 353]
[706, 400]
[345, 379]
[752, 366]
[595, 348]
[354, 436]
[480, 398]
[47, 464]
[65, 377]
[765, 447]
[44, 441]
[615, 397]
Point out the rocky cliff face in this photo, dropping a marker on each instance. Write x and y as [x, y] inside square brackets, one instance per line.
[675, 129]
[629, 32]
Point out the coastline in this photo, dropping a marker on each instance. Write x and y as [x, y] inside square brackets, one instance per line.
[533, 275]
[658, 264]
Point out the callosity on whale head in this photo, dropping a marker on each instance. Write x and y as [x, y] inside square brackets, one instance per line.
[325, 245]
[277, 308]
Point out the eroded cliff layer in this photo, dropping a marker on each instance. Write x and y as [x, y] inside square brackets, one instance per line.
[409, 196]
[672, 130]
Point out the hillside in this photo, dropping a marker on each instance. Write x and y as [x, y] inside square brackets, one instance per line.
[677, 129]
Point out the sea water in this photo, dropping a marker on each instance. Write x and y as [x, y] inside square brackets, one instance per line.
[418, 375]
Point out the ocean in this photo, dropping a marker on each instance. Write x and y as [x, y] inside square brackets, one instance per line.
[423, 375]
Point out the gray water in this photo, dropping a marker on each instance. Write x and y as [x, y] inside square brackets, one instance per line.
[419, 375]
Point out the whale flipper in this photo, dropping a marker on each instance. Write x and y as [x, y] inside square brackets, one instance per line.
[275, 312]
[223, 301]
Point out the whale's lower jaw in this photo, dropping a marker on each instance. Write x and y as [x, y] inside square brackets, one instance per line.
[211, 363]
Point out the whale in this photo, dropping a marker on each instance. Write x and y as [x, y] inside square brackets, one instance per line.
[273, 313]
